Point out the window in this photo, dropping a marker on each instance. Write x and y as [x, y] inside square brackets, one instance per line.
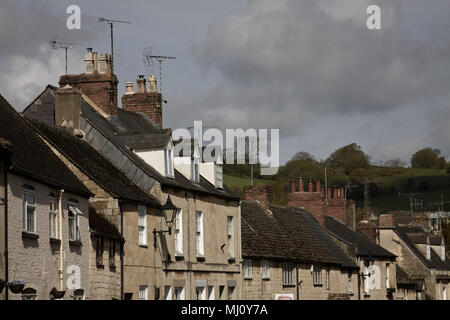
[287, 276]
[53, 217]
[112, 253]
[327, 278]
[230, 233]
[405, 294]
[168, 160]
[143, 292]
[199, 233]
[265, 269]
[200, 293]
[168, 292]
[99, 251]
[142, 217]
[387, 275]
[211, 293]
[230, 293]
[74, 213]
[29, 210]
[178, 232]
[247, 266]
[349, 282]
[317, 274]
[366, 277]
[219, 176]
[179, 293]
[195, 173]
[444, 293]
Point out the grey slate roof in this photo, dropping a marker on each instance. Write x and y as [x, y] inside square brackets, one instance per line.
[434, 263]
[100, 226]
[365, 247]
[93, 164]
[31, 156]
[139, 141]
[287, 233]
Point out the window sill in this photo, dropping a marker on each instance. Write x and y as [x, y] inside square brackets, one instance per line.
[318, 285]
[248, 278]
[55, 241]
[143, 246]
[76, 243]
[288, 285]
[201, 258]
[266, 279]
[29, 235]
[179, 257]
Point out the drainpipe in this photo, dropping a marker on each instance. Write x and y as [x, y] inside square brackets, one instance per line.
[61, 250]
[121, 251]
[189, 262]
[297, 282]
[5, 180]
[359, 286]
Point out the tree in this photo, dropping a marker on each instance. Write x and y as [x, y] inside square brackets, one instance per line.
[448, 167]
[428, 158]
[350, 157]
[394, 163]
[302, 155]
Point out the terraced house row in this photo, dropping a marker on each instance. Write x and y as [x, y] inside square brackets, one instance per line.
[99, 202]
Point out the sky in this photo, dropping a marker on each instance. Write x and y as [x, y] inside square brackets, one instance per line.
[310, 68]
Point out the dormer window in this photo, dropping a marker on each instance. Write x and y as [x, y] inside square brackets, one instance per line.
[168, 162]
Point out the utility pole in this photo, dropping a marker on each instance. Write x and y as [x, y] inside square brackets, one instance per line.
[111, 24]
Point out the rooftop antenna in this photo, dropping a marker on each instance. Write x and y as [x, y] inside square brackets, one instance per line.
[55, 44]
[111, 24]
[149, 61]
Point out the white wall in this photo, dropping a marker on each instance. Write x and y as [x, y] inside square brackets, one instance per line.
[155, 158]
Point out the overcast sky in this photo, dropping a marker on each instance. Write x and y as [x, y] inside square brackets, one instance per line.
[310, 68]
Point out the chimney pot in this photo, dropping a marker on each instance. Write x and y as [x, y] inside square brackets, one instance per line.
[140, 84]
[292, 186]
[318, 186]
[104, 66]
[310, 185]
[129, 88]
[152, 84]
[89, 49]
[301, 187]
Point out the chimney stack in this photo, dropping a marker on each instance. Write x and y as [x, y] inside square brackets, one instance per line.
[89, 63]
[292, 185]
[262, 193]
[386, 221]
[335, 192]
[104, 64]
[301, 187]
[318, 186]
[143, 101]
[68, 107]
[310, 185]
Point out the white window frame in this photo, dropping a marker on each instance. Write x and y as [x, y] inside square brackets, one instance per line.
[317, 274]
[168, 162]
[366, 280]
[142, 225]
[230, 236]
[211, 293]
[168, 292]
[247, 269]
[199, 241]
[265, 270]
[73, 209]
[219, 176]
[195, 170]
[287, 273]
[53, 217]
[327, 278]
[178, 232]
[387, 275]
[27, 196]
[143, 292]
[181, 295]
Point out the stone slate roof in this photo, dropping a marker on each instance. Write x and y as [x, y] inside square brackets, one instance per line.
[179, 181]
[364, 246]
[93, 164]
[402, 277]
[434, 263]
[139, 141]
[421, 238]
[31, 156]
[287, 233]
[100, 226]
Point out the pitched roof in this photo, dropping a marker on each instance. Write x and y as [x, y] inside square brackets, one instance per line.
[434, 263]
[287, 233]
[147, 141]
[101, 226]
[402, 277]
[365, 247]
[31, 156]
[93, 164]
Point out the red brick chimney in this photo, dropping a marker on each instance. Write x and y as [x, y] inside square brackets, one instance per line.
[310, 185]
[292, 185]
[386, 221]
[318, 186]
[301, 187]
[262, 193]
[98, 83]
[143, 101]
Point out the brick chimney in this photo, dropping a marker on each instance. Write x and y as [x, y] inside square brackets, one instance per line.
[68, 107]
[292, 185]
[369, 229]
[301, 187]
[386, 221]
[143, 101]
[262, 193]
[310, 185]
[97, 82]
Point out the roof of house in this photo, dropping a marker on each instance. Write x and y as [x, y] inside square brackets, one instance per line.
[287, 233]
[364, 246]
[402, 277]
[93, 164]
[31, 156]
[99, 225]
[434, 263]
[147, 141]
